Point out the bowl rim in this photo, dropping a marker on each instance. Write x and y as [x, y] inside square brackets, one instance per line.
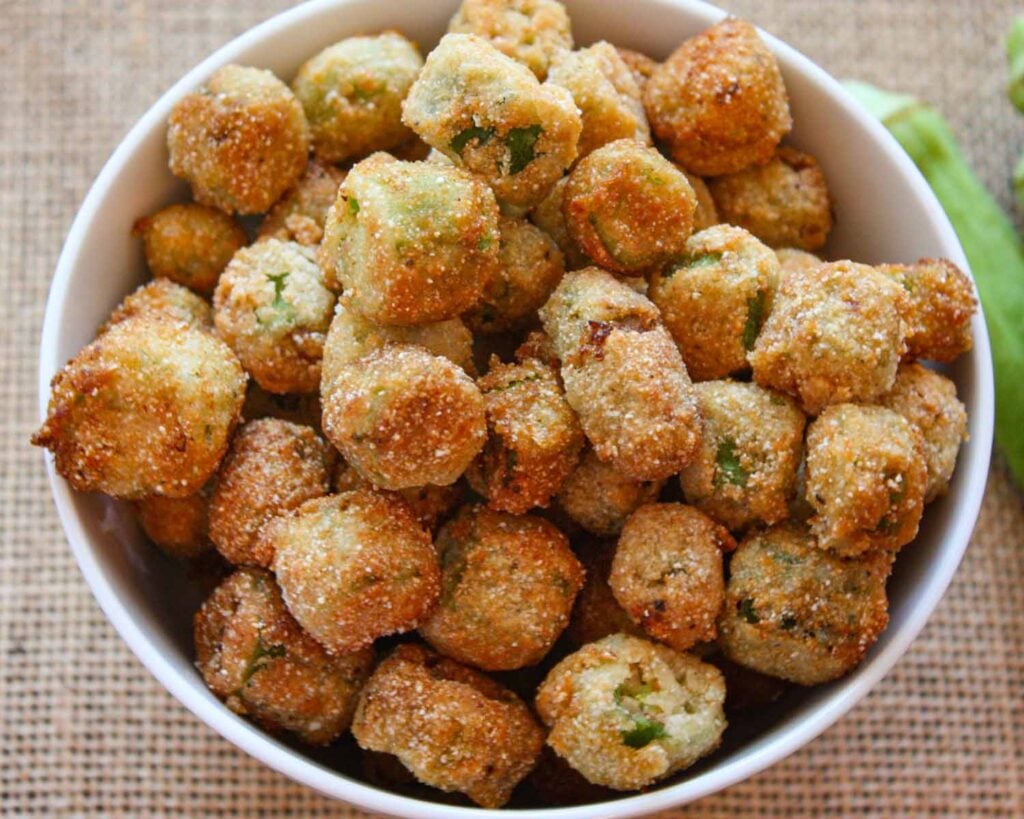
[293, 764]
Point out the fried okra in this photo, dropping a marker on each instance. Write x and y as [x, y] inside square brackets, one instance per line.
[628, 207]
[706, 214]
[490, 115]
[163, 299]
[353, 567]
[404, 417]
[273, 466]
[626, 712]
[301, 408]
[529, 31]
[599, 497]
[715, 298]
[942, 302]
[272, 308]
[667, 572]
[746, 469]
[534, 438]
[623, 375]
[454, 728]
[798, 612]
[549, 216]
[300, 214]
[352, 94]
[604, 90]
[429, 504]
[866, 478]
[793, 259]
[240, 141]
[410, 242]
[784, 203]
[718, 102]
[530, 265]
[641, 66]
[190, 244]
[179, 526]
[254, 656]
[597, 613]
[834, 334]
[928, 400]
[507, 589]
[146, 409]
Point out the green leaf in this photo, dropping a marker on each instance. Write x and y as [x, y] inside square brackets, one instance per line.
[353, 205]
[747, 611]
[755, 317]
[520, 143]
[643, 732]
[463, 138]
[279, 280]
[704, 260]
[729, 468]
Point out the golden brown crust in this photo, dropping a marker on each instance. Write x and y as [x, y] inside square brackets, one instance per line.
[299, 215]
[599, 497]
[429, 504]
[596, 613]
[179, 526]
[706, 214]
[641, 65]
[163, 299]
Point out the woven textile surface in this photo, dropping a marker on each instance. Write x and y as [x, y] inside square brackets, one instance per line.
[85, 730]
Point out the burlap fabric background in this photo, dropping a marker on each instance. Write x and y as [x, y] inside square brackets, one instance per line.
[84, 729]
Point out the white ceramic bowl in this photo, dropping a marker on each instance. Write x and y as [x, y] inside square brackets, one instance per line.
[884, 212]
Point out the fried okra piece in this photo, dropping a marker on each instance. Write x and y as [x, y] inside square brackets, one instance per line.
[597, 613]
[798, 612]
[489, 114]
[410, 242]
[834, 334]
[507, 587]
[538, 345]
[534, 438]
[928, 400]
[454, 728]
[179, 526]
[667, 572]
[866, 478]
[273, 467]
[746, 470]
[429, 504]
[189, 244]
[715, 298]
[353, 336]
[530, 265]
[352, 94]
[623, 375]
[354, 567]
[640, 65]
[146, 409]
[706, 214]
[254, 656]
[298, 408]
[240, 141]
[529, 31]
[942, 303]
[784, 203]
[300, 214]
[718, 102]
[626, 712]
[599, 497]
[272, 308]
[163, 299]
[604, 90]
[628, 207]
[404, 417]
[549, 216]
[793, 259]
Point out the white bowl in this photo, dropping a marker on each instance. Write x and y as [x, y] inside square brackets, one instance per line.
[884, 212]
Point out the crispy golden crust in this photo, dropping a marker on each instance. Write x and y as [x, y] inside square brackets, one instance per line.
[746, 470]
[254, 656]
[530, 265]
[429, 504]
[241, 141]
[299, 215]
[793, 259]
[164, 299]
[403, 417]
[795, 611]
[549, 216]
[866, 478]
[190, 244]
[718, 102]
[507, 589]
[599, 497]
[628, 207]
[529, 31]
[538, 345]
[272, 467]
[596, 613]
[667, 572]
[928, 400]
[179, 526]
[942, 303]
[454, 728]
[784, 203]
[626, 712]
[639, 64]
[272, 308]
[534, 437]
[354, 567]
[714, 299]
[146, 409]
[835, 334]
[706, 214]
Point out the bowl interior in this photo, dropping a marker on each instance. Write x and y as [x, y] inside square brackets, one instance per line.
[884, 212]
